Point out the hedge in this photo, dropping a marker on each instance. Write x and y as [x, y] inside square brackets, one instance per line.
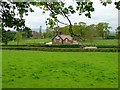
[62, 46]
[63, 49]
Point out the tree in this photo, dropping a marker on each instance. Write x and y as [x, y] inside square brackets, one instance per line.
[7, 36]
[91, 33]
[9, 8]
[103, 29]
[26, 32]
[49, 32]
[59, 8]
[18, 36]
[11, 14]
[40, 31]
[118, 32]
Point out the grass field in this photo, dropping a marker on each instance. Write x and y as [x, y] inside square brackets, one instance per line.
[0, 69]
[96, 42]
[29, 41]
[102, 42]
[36, 69]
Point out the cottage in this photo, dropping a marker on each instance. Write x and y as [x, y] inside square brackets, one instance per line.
[63, 39]
[35, 34]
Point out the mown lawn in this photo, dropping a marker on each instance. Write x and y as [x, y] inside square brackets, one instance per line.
[96, 42]
[36, 69]
[0, 69]
[29, 41]
[102, 42]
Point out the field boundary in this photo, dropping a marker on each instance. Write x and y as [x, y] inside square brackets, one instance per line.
[51, 49]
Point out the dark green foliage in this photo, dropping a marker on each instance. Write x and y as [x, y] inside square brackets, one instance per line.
[9, 19]
[8, 13]
[7, 36]
[49, 33]
[27, 32]
[60, 46]
[117, 5]
[62, 49]
[111, 37]
[18, 37]
[85, 7]
[118, 32]
[103, 29]
[108, 46]
[64, 46]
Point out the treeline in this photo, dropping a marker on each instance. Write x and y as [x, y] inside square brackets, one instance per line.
[84, 31]
[9, 35]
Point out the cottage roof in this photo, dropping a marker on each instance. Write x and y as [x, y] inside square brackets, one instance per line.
[66, 36]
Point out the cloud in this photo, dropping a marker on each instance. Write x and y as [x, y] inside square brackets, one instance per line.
[36, 19]
[101, 14]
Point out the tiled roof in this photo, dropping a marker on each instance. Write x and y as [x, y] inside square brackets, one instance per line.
[66, 36]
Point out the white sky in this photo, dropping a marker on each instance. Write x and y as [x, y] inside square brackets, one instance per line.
[107, 14]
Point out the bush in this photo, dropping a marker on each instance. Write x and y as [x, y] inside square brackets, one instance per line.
[111, 37]
[108, 46]
[63, 49]
[62, 46]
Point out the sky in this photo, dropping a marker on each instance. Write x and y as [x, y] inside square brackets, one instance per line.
[107, 14]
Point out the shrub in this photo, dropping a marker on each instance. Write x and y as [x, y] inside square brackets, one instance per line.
[111, 37]
[62, 46]
[63, 49]
[108, 46]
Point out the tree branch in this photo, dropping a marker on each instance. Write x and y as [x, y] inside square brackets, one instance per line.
[55, 13]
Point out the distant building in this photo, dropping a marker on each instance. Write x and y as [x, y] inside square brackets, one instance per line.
[35, 34]
[63, 39]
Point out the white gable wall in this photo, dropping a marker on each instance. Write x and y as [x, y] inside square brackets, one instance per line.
[57, 37]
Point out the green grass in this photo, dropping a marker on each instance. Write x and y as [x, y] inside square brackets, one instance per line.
[29, 41]
[0, 69]
[36, 69]
[102, 42]
[96, 42]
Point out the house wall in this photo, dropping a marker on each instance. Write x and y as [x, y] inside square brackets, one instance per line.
[56, 41]
[35, 34]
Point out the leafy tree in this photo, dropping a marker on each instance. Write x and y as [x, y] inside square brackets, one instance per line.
[11, 18]
[26, 32]
[103, 29]
[7, 36]
[11, 14]
[18, 36]
[9, 11]
[59, 8]
[50, 33]
[91, 33]
[78, 29]
[82, 30]
[118, 32]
